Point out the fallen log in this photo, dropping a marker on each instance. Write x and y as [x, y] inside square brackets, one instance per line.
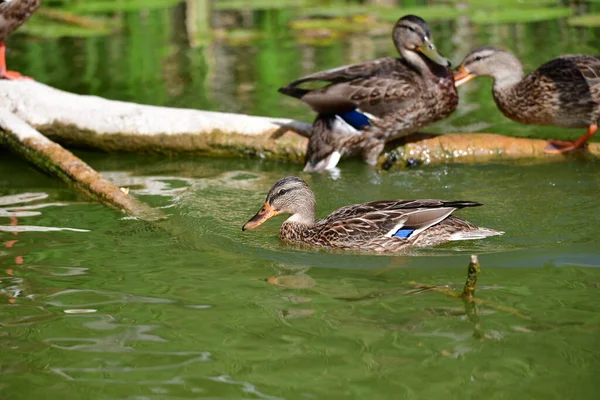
[471, 148]
[53, 159]
[108, 125]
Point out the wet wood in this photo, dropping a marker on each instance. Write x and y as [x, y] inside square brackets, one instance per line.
[468, 293]
[472, 275]
[53, 159]
[90, 121]
[94, 122]
[471, 148]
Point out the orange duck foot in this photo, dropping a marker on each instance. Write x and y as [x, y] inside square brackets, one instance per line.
[4, 73]
[13, 75]
[558, 146]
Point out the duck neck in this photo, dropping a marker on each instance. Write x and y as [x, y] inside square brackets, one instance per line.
[423, 65]
[304, 216]
[508, 76]
[297, 227]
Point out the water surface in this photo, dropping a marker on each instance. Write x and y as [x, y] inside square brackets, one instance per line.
[105, 307]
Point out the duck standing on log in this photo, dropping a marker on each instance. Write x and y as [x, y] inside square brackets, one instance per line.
[367, 104]
[564, 91]
[13, 13]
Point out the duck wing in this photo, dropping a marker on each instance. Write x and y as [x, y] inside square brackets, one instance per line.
[590, 69]
[400, 218]
[347, 73]
[13, 14]
[375, 87]
[575, 76]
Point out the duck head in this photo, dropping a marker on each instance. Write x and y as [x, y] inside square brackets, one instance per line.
[501, 65]
[411, 34]
[290, 195]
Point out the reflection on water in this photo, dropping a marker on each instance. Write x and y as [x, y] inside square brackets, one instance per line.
[211, 312]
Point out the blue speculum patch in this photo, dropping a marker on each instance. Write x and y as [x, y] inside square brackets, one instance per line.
[403, 233]
[355, 119]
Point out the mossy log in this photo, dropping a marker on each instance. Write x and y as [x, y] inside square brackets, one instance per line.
[30, 110]
[471, 148]
[94, 122]
[53, 159]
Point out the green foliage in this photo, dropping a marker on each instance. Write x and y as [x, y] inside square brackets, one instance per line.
[585, 20]
[518, 15]
[111, 6]
[230, 5]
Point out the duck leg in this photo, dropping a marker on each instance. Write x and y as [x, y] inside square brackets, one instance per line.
[559, 146]
[4, 73]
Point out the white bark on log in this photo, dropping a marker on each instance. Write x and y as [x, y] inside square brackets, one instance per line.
[51, 158]
[90, 121]
[116, 125]
[41, 105]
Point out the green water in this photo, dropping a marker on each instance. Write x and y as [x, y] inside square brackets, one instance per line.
[186, 311]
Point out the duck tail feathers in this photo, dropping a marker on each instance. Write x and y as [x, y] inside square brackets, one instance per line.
[479, 233]
[293, 91]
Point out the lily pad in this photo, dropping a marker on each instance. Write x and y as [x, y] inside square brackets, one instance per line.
[107, 6]
[49, 29]
[430, 13]
[518, 15]
[585, 20]
[512, 3]
[257, 4]
[336, 24]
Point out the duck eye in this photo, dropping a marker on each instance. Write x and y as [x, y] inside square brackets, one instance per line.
[478, 58]
[282, 192]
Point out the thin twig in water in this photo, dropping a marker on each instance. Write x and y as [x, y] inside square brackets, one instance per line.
[469, 290]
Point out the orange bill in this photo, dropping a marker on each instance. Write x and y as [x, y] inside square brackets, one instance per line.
[261, 216]
[461, 75]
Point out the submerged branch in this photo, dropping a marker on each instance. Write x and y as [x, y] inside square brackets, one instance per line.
[53, 159]
[472, 275]
[469, 290]
[471, 148]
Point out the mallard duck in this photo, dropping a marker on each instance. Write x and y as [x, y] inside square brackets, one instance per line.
[564, 91]
[386, 98]
[13, 13]
[381, 226]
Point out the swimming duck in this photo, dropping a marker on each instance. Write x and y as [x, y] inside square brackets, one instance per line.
[13, 13]
[564, 91]
[387, 98]
[381, 226]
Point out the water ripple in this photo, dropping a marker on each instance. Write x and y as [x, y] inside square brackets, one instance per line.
[116, 298]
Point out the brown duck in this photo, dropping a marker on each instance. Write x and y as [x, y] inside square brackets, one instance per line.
[364, 105]
[380, 226]
[564, 91]
[13, 13]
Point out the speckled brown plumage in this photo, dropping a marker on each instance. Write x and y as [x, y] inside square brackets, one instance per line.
[564, 91]
[364, 226]
[14, 13]
[402, 94]
[369, 226]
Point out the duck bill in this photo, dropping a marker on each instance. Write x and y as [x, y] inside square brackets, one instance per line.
[461, 76]
[265, 213]
[429, 50]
